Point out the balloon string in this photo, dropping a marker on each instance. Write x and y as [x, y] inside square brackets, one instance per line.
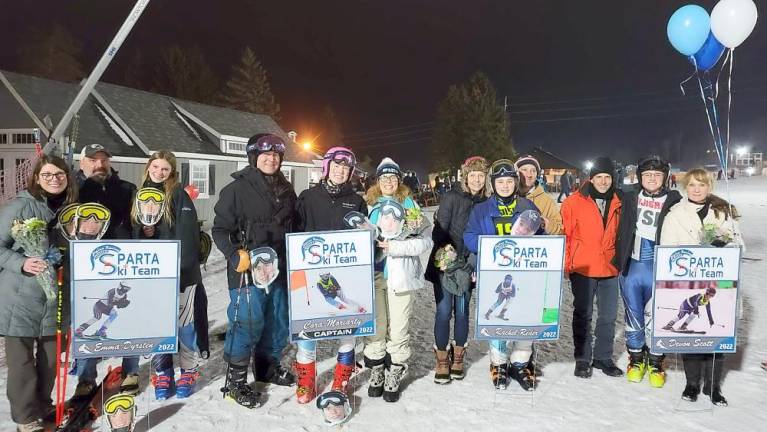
[705, 105]
[694, 72]
[731, 59]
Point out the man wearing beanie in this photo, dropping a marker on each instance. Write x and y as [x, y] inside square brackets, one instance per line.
[496, 216]
[529, 169]
[255, 210]
[590, 218]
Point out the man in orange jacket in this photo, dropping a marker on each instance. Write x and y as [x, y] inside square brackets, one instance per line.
[590, 217]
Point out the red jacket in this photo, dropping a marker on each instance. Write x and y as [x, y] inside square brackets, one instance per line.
[590, 244]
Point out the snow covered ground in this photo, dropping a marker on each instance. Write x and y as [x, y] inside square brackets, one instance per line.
[563, 402]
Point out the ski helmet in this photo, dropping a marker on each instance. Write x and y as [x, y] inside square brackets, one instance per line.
[339, 155]
[262, 143]
[502, 168]
[507, 280]
[122, 288]
[325, 276]
[653, 163]
[710, 292]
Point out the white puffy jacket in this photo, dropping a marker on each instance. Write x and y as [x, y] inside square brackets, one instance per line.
[403, 263]
[683, 227]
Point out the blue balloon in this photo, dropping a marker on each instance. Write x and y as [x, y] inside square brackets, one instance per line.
[709, 54]
[688, 29]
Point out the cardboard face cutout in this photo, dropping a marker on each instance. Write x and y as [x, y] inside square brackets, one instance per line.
[149, 204]
[528, 223]
[335, 407]
[264, 266]
[391, 221]
[91, 221]
[66, 220]
[357, 220]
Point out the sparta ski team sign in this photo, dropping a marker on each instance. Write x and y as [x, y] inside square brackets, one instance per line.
[331, 284]
[695, 299]
[519, 281]
[124, 297]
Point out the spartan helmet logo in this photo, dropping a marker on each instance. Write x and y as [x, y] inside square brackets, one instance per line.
[91, 221]
[149, 206]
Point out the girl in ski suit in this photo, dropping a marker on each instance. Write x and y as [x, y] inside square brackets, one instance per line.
[178, 221]
[494, 217]
[685, 226]
[449, 225]
[397, 276]
[27, 316]
[322, 208]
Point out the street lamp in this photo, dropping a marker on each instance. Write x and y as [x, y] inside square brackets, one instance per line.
[307, 146]
[740, 151]
[589, 165]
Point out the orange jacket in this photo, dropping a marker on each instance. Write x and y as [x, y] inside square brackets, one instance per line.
[590, 245]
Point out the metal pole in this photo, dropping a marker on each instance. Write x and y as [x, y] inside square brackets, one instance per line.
[95, 75]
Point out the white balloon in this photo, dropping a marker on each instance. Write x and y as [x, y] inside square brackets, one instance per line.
[732, 21]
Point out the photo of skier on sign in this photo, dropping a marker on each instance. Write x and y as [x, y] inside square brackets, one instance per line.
[115, 298]
[691, 308]
[506, 291]
[334, 295]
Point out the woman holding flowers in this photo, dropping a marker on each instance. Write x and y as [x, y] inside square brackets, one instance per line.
[28, 306]
[398, 273]
[702, 219]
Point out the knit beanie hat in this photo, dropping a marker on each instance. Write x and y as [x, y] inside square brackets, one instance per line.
[603, 165]
[388, 166]
[528, 160]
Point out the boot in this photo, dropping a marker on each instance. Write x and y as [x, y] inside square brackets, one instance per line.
[637, 366]
[690, 393]
[33, 426]
[269, 370]
[442, 369]
[525, 377]
[186, 383]
[79, 330]
[102, 333]
[502, 315]
[498, 374]
[394, 375]
[655, 367]
[341, 377]
[683, 327]
[163, 384]
[456, 367]
[713, 389]
[487, 315]
[237, 388]
[377, 376]
[307, 377]
[669, 326]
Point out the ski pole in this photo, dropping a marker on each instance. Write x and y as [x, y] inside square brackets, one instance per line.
[667, 308]
[60, 389]
[225, 389]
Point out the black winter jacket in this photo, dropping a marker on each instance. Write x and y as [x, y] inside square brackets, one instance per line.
[260, 209]
[449, 224]
[624, 244]
[318, 210]
[116, 195]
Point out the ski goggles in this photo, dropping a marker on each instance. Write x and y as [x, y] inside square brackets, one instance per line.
[66, 219]
[265, 144]
[331, 398]
[393, 208]
[120, 411]
[343, 157]
[91, 221]
[262, 255]
[121, 402]
[502, 168]
[149, 206]
[93, 210]
[150, 194]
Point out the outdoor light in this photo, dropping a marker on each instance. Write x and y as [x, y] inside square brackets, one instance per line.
[741, 150]
[589, 165]
[750, 171]
[307, 145]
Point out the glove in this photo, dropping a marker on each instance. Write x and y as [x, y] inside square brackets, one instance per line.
[240, 260]
[341, 306]
[718, 243]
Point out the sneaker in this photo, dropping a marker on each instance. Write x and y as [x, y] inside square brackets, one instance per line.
[607, 367]
[33, 426]
[164, 386]
[690, 393]
[186, 382]
[582, 369]
[129, 384]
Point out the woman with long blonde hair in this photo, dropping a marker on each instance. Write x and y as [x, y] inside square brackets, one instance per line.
[178, 221]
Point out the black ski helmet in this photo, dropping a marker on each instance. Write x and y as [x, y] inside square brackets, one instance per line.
[122, 288]
[653, 163]
[507, 280]
[711, 291]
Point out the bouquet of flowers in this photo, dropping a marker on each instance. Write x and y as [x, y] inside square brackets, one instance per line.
[413, 218]
[32, 235]
[445, 256]
[714, 235]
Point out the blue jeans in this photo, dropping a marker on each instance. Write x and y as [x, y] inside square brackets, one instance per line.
[447, 304]
[261, 325]
[86, 368]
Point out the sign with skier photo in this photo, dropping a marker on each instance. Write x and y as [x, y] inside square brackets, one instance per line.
[124, 297]
[519, 287]
[330, 278]
[695, 299]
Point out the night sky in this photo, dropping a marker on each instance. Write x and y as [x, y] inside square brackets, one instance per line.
[385, 65]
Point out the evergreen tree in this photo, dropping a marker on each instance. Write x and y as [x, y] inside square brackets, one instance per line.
[185, 74]
[470, 121]
[248, 89]
[53, 54]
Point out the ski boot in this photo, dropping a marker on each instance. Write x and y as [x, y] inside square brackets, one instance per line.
[683, 327]
[502, 315]
[237, 388]
[393, 378]
[487, 315]
[498, 374]
[341, 376]
[307, 376]
[457, 354]
[164, 385]
[377, 376]
[442, 369]
[669, 326]
[655, 368]
[186, 382]
[525, 377]
[271, 371]
[637, 366]
[79, 330]
[102, 333]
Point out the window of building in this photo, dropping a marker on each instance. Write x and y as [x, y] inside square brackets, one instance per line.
[236, 147]
[23, 138]
[287, 172]
[3, 138]
[199, 175]
[2, 176]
